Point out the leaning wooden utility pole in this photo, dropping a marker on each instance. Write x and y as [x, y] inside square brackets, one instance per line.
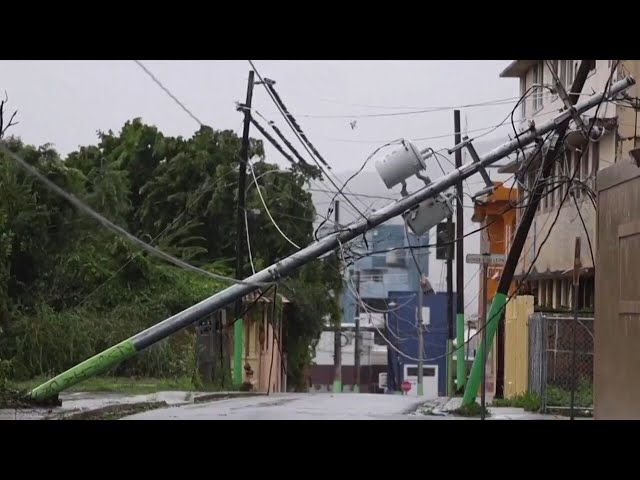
[274, 273]
[240, 250]
[498, 304]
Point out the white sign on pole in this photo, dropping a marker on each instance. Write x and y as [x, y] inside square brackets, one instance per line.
[486, 258]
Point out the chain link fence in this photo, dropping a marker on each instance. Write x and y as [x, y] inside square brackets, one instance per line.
[550, 361]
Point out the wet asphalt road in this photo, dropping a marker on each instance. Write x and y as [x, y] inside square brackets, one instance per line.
[293, 406]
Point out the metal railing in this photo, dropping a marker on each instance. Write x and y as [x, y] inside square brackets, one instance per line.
[551, 369]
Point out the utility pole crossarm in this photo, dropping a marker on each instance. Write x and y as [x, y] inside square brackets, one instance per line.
[274, 273]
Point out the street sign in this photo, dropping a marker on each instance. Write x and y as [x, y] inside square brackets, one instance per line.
[406, 386]
[487, 258]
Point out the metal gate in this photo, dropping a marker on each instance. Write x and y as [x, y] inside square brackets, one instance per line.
[550, 361]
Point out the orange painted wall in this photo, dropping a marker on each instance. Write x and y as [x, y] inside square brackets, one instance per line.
[496, 238]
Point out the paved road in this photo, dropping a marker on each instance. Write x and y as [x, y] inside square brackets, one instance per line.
[293, 406]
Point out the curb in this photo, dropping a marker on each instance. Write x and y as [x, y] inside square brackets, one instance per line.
[125, 408]
[131, 408]
[207, 397]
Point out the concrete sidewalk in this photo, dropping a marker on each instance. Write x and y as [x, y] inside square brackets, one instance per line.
[84, 402]
[442, 408]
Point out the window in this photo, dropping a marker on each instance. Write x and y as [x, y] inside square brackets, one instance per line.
[426, 371]
[568, 170]
[586, 293]
[538, 79]
[523, 105]
[567, 73]
[595, 158]
[558, 184]
[377, 338]
[545, 198]
[373, 275]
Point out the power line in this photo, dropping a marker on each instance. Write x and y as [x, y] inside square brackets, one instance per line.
[264, 204]
[417, 111]
[113, 227]
[168, 92]
[298, 134]
[363, 195]
[446, 135]
[353, 176]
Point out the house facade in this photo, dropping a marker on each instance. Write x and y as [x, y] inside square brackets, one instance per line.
[498, 221]
[263, 358]
[550, 278]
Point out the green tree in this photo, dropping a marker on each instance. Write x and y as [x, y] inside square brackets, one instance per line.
[64, 274]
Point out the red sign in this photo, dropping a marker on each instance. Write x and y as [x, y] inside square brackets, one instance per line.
[406, 386]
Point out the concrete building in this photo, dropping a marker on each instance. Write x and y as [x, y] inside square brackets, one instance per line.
[549, 280]
[383, 271]
[373, 362]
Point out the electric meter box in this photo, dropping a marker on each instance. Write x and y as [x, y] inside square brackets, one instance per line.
[400, 164]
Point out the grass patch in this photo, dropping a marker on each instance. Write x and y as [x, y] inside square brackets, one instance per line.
[472, 410]
[530, 402]
[560, 397]
[127, 385]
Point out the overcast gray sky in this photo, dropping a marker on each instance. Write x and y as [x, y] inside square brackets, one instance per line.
[66, 102]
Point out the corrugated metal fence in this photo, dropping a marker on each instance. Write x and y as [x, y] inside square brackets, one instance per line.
[550, 361]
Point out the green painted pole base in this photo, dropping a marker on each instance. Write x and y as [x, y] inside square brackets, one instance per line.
[237, 352]
[337, 386]
[461, 376]
[421, 389]
[89, 368]
[471, 391]
[450, 370]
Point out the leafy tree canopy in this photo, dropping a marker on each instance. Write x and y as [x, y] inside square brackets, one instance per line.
[178, 194]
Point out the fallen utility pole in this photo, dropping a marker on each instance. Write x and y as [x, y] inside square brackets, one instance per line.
[461, 368]
[129, 347]
[500, 299]
[238, 328]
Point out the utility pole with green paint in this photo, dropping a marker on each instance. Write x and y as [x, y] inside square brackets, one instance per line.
[461, 368]
[496, 313]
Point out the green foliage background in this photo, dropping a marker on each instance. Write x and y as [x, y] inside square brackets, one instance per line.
[69, 288]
